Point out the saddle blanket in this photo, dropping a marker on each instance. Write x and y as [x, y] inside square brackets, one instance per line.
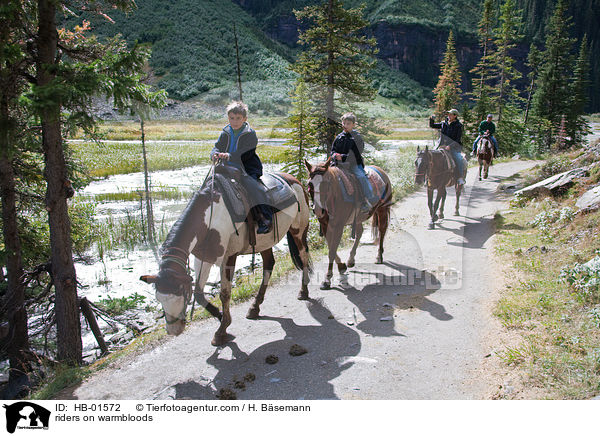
[350, 187]
[279, 195]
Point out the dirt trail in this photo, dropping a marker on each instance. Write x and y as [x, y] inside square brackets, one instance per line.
[413, 328]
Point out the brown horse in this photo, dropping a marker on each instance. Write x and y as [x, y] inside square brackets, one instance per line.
[208, 231]
[485, 155]
[334, 213]
[435, 167]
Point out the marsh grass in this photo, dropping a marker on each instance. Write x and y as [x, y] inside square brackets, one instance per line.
[559, 351]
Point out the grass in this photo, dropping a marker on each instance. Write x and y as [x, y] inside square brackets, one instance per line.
[559, 351]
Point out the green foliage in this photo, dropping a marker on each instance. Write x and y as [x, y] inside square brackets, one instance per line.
[577, 126]
[118, 306]
[584, 280]
[335, 62]
[303, 137]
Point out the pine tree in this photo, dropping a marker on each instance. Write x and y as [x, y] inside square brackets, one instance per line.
[577, 126]
[482, 72]
[303, 137]
[336, 61]
[534, 60]
[447, 90]
[552, 96]
[507, 35]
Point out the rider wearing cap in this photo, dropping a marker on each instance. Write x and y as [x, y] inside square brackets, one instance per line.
[487, 127]
[451, 139]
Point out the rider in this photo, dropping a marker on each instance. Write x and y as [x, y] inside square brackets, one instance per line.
[487, 127]
[451, 139]
[348, 147]
[237, 146]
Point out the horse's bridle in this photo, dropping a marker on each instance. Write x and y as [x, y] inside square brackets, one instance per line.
[185, 280]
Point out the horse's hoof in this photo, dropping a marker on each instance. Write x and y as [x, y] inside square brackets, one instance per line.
[456, 213]
[431, 226]
[218, 340]
[441, 216]
[302, 295]
[325, 286]
[350, 263]
[480, 179]
[252, 313]
[379, 260]
[342, 268]
[434, 218]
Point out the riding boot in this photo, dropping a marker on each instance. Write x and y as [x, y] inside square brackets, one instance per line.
[264, 223]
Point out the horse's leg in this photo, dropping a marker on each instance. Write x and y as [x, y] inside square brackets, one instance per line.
[382, 221]
[480, 166]
[359, 232]
[334, 235]
[443, 203]
[486, 170]
[302, 244]
[458, 191]
[227, 270]
[436, 205]
[430, 205]
[268, 263]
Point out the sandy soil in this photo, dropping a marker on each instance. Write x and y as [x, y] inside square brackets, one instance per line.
[417, 327]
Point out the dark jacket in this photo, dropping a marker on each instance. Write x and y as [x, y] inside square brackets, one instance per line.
[486, 125]
[451, 133]
[350, 146]
[245, 154]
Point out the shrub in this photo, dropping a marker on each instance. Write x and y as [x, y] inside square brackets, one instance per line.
[584, 280]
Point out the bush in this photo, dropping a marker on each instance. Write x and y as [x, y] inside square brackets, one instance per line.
[584, 280]
[118, 306]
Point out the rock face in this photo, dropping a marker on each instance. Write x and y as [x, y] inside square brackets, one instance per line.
[590, 200]
[554, 184]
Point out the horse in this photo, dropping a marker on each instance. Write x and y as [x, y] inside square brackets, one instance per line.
[334, 213]
[436, 167]
[485, 155]
[207, 229]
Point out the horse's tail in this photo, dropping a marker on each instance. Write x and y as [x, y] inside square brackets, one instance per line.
[210, 308]
[295, 253]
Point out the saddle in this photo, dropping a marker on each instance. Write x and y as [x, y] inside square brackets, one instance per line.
[481, 149]
[351, 191]
[233, 184]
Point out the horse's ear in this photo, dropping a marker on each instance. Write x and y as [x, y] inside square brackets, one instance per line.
[328, 162]
[149, 279]
[426, 148]
[308, 166]
[418, 148]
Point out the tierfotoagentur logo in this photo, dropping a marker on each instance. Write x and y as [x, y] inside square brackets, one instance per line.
[26, 415]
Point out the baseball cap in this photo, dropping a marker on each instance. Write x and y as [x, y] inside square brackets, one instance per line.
[453, 111]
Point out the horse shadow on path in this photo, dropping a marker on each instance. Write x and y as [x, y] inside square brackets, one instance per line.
[330, 347]
[400, 288]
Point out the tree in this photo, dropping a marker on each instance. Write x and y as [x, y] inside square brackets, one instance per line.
[507, 36]
[70, 68]
[303, 138]
[551, 98]
[482, 90]
[534, 60]
[336, 61]
[577, 126]
[447, 90]
[13, 64]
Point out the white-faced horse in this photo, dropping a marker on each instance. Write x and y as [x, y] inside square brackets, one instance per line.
[207, 230]
[485, 155]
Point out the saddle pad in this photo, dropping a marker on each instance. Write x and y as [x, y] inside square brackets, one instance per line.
[279, 193]
[449, 159]
[376, 181]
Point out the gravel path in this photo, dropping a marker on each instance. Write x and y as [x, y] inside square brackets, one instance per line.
[412, 328]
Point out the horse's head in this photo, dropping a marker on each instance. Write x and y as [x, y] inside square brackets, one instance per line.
[422, 165]
[193, 231]
[173, 291]
[318, 186]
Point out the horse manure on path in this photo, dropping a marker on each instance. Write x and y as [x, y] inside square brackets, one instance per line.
[271, 359]
[297, 350]
[226, 394]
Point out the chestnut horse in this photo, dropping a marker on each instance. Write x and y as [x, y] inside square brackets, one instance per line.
[485, 155]
[207, 230]
[434, 166]
[325, 189]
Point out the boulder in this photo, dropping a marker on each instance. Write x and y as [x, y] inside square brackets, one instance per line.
[553, 184]
[590, 200]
